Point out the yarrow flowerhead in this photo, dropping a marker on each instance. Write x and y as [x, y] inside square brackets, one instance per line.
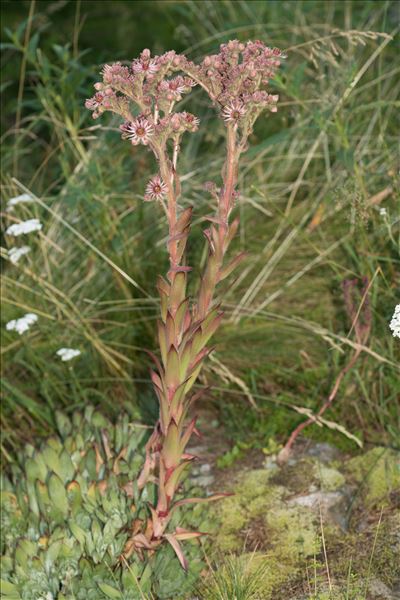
[21, 199]
[14, 254]
[138, 131]
[23, 324]
[24, 227]
[155, 189]
[394, 324]
[67, 353]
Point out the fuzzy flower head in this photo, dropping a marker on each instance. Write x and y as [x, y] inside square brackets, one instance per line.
[233, 112]
[190, 122]
[95, 102]
[145, 64]
[138, 131]
[23, 324]
[155, 189]
[394, 324]
[24, 227]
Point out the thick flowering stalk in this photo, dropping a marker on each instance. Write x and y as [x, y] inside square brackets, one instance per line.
[233, 79]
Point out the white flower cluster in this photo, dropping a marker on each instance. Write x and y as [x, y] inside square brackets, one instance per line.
[395, 322]
[15, 253]
[23, 324]
[22, 199]
[24, 227]
[67, 353]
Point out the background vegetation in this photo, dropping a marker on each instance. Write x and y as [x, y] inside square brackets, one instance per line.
[312, 185]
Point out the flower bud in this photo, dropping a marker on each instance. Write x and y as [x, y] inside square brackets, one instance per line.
[175, 122]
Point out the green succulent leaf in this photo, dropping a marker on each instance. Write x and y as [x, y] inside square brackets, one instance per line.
[9, 591]
[110, 591]
[78, 533]
[58, 494]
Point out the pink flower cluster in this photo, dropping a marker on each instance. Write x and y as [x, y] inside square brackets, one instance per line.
[144, 94]
[235, 78]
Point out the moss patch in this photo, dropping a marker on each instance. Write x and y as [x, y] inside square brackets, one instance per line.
[378, 472]
[253, 497]
[294, 536]
[297, 478]
[330, 479]
[286, 537]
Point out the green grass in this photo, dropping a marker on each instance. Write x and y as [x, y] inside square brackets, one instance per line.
[309, 214]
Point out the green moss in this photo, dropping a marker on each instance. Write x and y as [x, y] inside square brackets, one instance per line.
[253, 496]
[287, 537]
[330, 479]
[378, 471]
[297, 478]
[293, 533]
[290, 533]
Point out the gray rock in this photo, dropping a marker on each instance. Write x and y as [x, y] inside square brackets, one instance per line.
[333, 505]
[203, 480]
[198, 450]
[380, 591]
[324, 452]
[270, 463]
[206, 468]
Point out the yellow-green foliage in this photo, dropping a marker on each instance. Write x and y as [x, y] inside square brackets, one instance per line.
[378, 471]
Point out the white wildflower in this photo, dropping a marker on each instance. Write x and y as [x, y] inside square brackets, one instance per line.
[22, 199]
[24, 227]
[395, 322]
[67, 353]
[15, 253]
[382, 211]
[23, 324]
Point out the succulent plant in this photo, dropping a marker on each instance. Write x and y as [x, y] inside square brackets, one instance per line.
[68, 510]
[146, 97]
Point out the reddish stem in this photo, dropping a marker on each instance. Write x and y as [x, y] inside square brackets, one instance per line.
[285, 452]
